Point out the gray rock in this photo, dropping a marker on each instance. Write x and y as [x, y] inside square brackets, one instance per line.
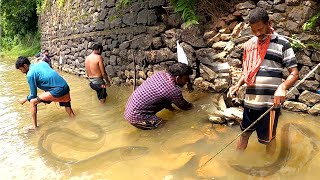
[111, 3]
[115, 23]
[143, 17]
[116, 81]
[103, 14]
[204, 55]
[152, 17]
[111, 71]
[304, 71]
[246, 5]
[280, 8]
[115, 51]
[220, 84]
[315, 110]
[304, 59]
[207, 73]
[100, 26]
[220, 45]
[103, 4]
[175, 20]
[229, 47]
[234, 113]
[156, 30]
[265, 5]
[219, 56]
[130, 19]
[315, 56]
[169, 38]
[237, 29]
[292, 2]
[141, 42]
[293, 94]
[309, 85]
[157, 42]
[114, 44]
[295, 106]
[124, 45]
[300, 14]
[234, 62]
[292, 26]
[156, 3]
[317, 77]
[216, 119]
[157, 56]
[193, 36]
[311, 3]
[278, 1]
[309, 98]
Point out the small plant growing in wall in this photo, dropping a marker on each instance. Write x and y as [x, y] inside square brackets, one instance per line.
[314, 21]
[187, 9]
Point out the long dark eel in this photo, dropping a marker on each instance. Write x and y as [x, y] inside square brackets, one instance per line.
[74, 140]
[284, 154]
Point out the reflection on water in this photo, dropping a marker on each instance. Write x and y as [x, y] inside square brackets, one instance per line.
[99, 144]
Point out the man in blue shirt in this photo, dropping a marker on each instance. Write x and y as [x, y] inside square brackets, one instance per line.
[41, 76]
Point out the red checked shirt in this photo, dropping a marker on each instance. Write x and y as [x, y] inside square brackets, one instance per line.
[157, 92]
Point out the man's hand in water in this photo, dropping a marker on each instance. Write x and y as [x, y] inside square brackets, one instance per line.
[22, 100]
[108, 83]
[232, 91]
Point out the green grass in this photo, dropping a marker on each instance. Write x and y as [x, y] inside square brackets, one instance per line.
[27, 50]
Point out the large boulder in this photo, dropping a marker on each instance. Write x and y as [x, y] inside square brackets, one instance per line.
[309, 98]
[295, 106]
[315, 110]
[193, 36]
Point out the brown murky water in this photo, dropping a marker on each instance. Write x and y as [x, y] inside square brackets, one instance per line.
[100, 144]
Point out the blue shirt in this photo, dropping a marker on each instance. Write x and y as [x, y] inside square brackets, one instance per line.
[41, 76]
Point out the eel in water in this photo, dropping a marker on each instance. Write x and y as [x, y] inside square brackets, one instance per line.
[74, 140]
[284, 154]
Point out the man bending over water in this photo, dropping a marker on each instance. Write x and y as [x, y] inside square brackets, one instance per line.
[41, 76]
[96, 73]
[157, 92]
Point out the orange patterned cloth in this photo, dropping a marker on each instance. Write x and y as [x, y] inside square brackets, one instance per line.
[254, 53]
[46, 96]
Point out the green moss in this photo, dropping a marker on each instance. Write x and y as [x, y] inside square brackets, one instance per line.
[22, 49]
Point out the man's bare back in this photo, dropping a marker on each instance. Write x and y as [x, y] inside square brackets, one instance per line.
[92, 64]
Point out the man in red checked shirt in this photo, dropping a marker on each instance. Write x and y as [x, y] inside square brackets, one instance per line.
[157, 92]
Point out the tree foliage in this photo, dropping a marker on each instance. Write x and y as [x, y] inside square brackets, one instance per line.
[18, 18]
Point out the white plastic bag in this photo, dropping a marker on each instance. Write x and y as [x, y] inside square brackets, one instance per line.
[182, 57]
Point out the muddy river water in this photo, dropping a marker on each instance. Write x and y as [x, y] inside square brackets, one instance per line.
[99, 144]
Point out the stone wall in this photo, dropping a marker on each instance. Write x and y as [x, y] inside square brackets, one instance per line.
[147, 31]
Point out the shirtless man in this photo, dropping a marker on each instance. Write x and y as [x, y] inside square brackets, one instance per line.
[96, 73]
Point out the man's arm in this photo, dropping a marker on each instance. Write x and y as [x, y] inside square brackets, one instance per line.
[103, 71]
[33, 87]
[280, 94]
[179, 101]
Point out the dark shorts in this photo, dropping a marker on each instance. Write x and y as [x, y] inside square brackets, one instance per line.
[149, 125]
[262, 126]
[101, 92]
[65, 104]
